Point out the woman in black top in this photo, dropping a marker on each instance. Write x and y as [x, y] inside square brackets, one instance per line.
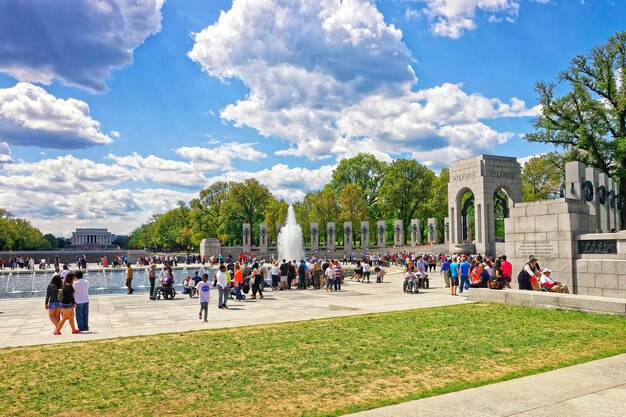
[53, 304]
[67, 305]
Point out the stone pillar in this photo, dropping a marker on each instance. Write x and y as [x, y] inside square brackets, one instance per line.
[347, 236]
[446, 230]
[591, 175]
[398, 233]
[574, 179]
[603, 199]
[432, 230]
[610, 201]
[246, 238]
[263, 238]
[416, 232]
[331, 233]
[381, 233]
[365, 235]
[315, 237]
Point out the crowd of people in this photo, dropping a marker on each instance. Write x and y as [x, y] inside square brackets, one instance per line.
[67, 295]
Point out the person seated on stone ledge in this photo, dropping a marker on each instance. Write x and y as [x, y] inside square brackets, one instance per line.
[480, 277]
[552, 285]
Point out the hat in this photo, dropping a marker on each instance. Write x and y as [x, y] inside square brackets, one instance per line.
[546, 270]
[532, 258]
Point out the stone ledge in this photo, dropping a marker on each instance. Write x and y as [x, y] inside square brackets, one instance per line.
[588, 303]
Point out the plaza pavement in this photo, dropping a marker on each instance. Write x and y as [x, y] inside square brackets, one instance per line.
[24, 321]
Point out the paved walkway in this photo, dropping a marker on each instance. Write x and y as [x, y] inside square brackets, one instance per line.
[25, 322]
[595, 389]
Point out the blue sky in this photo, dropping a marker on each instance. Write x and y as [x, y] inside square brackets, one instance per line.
[113, 111]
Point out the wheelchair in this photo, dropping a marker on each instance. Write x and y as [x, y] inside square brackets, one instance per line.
[410, 286]
[168, 292]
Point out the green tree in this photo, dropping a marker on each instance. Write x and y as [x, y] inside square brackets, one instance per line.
[405, 191]
[365, 171]
[542, 177]
[205, 216]
[275, 214]
[324, 209]
[591, 117]
[52, 240]
[353, 208]
[245, 204]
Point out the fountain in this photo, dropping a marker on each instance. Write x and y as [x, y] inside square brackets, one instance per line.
[290, 239]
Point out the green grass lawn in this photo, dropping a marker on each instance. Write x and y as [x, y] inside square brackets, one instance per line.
[311, 368]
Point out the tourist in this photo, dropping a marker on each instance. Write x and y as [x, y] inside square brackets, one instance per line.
[257, 281]
[302, 272]
[129, 279]
[464, 270]
[222, 283]
[284, 275]
[238, 279]
[480, 277]
[367, 268]
[529, 274]
[330, 278]
[152, 279]
[507, 270]
[552, 285]
[204, 294]
[445, 270]
[338, 275]
[432, 263]
[317, 278]
[188, 286]
[380, 274]
[291, 282]
[67, 305]
[275, 272]
[454, 276]
[358, 272]
[52, 303]
[81, 298]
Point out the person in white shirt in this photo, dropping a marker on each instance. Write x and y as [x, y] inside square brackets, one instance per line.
[552, 285]
[81, 297]
[366, 271]
[222, 286]
[204, 294]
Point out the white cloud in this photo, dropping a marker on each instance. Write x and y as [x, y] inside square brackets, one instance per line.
[452, 18]
[5, 153]
[163, 171]
[115, 134]
[31, 116]
[290, 184]
[77, 42]
[524, 160]
[220, 157]
[333, 78]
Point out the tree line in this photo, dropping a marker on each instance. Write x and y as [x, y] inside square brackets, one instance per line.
[362, 188]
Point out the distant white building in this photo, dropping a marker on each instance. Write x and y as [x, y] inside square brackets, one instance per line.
[91, 237]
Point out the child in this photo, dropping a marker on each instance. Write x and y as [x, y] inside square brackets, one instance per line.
[204, 293]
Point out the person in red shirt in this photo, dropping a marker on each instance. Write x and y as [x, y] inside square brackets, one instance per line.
[238, 282]
[507, 270]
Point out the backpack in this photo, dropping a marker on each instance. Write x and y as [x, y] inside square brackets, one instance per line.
[496, 284]
[523, 276]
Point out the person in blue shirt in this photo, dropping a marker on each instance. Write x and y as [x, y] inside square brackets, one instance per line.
[454, 276]
[445, 270]
[464, 270]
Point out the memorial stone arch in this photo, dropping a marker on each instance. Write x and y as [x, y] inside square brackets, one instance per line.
[483, 176]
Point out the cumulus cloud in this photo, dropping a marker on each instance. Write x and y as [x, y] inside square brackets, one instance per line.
[333, 78]
[290, 184]
[77, 42]
[5, 153]
[452, 18]
[31, 116]
[220, 157]
[160, 170]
